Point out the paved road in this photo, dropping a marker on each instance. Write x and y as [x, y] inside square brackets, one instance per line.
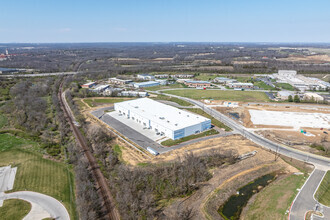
[305, 201]
[51, 205]
[281, 149]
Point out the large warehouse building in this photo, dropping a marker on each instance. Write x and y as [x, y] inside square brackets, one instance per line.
[163, 119]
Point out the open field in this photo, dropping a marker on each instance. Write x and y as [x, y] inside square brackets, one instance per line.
[285, 86]
[14, 209]
[173, 99]
[273, 201]
[34, 173]
[213, 120]
[92, 102]
[323, 192]
[170, 86]
[244, 96]
[263, 85]
[171, 142]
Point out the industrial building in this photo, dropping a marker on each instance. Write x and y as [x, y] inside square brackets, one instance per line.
[300, 82]
[183, 76]
[241, 85]
[224, 80]
[161, 76]
[133, 94]
[120, 81]
[146, 84]
[284, 95]
[197, 84]
[313, 96]
[99, 88]
[145, 77]
[89, 85]
[163, 119]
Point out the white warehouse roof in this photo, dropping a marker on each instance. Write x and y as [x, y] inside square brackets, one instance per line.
[164, 115]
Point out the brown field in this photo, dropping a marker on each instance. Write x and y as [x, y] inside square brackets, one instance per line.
[316, 59]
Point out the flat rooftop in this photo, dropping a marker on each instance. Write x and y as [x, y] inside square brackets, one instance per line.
[164, 115]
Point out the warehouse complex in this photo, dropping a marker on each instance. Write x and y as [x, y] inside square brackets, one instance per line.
[165, 120]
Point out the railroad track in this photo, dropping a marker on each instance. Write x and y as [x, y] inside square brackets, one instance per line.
[104, 191]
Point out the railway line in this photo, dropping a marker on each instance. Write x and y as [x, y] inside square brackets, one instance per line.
[104, 191]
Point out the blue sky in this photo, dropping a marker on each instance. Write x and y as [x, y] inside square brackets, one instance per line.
[43, 21]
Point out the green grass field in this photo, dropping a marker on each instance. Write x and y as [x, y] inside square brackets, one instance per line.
[171, 86]
[171, 142]
[273, 201]
[243, 96]
[92, 102]
[286, 86]
[3, 120]
[13, 209]
[263, 85]
[173, 99]
[213, 120]
[34, 173]
[323, 192]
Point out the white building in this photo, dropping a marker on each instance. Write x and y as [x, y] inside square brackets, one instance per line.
[145, 77]
[313, 96]
[163, 119]
[284, 95]
[99, 88]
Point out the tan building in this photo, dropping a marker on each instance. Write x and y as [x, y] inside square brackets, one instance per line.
[198, 84]
[313, 96]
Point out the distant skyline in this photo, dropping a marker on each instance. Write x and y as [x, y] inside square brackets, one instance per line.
[73, 21]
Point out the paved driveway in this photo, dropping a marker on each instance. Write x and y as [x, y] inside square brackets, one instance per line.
[49, 204]
[305, 199]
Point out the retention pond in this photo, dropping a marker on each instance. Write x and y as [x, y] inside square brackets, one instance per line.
[234, 205]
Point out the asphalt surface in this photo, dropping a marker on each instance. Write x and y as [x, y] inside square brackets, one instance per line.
[305, 201]
[51, 205]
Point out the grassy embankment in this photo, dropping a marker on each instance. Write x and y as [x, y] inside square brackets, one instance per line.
[172, 99]
[3, 120]
[213, 120]
[20, 210]
[170, 86]
[171, 142]
[92, 102]
[285, 86]
[34, 173]
[243, 96]
[323, 192]
[274, 200]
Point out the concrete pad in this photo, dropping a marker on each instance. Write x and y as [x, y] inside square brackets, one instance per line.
[292, 119]
[37, 212]
[7, 178]
[136, 126]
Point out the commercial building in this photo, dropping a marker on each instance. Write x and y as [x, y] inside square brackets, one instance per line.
[100, 88]
[161, 76]
[89, 85]
[120, 81]
[146, 84]
[241, 85]
[284, 95]
[197, 84]
[313, 96]
[163, 119]
[145, 77]
[224, 80]
[133, 94]
[300, 82]
[162, 82]
[183, 76]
